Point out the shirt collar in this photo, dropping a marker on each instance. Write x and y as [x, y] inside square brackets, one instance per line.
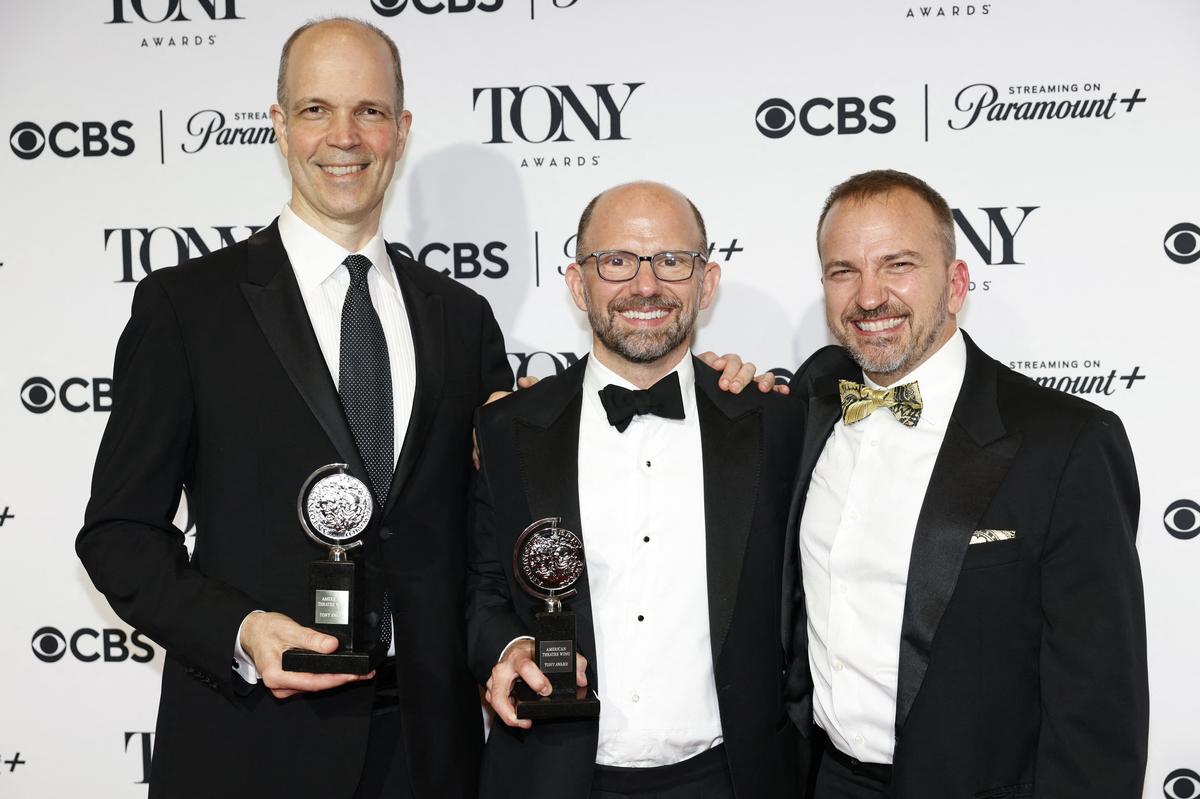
[315, 256]
[596, 376]
[939, 379]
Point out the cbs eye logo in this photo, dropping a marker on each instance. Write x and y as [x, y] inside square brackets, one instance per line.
[1182, 519]
[68, 139]
[49, 645]
[820, 116]
[1182, 243]
[1182, 783]
[390, 8]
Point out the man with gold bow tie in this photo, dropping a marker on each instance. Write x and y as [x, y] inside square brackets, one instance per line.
[963, 609]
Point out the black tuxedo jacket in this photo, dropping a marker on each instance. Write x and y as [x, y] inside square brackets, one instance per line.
[1022, 662]
[220, 386]
[529, 448]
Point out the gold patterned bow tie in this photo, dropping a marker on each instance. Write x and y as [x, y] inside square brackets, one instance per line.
[859, 402]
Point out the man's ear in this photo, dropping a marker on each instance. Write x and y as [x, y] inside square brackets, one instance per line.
[708, 283]
[574, 277]
[279, 122]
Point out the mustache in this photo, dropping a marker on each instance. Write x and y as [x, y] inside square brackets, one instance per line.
[659, 303]
[860, 314]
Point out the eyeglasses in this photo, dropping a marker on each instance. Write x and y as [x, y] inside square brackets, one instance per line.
[617, 266]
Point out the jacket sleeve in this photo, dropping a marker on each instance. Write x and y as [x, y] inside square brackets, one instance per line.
[133, 553]
[492, 621]
[1095, 698]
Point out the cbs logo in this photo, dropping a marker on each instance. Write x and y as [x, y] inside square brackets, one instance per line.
[821, 116]
[1182, 519]
[87, 645]
[1182, 783]
[464, 258]
[1182, 243]
[390, 8]
[38, 394]
[67, 139]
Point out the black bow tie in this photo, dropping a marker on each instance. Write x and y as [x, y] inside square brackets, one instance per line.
[661, 399]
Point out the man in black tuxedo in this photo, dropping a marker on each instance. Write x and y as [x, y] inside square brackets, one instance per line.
[680, 495]
[238, 375]
[965, 618]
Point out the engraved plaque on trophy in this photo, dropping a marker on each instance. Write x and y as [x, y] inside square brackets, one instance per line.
[547, 562]
[334, 507]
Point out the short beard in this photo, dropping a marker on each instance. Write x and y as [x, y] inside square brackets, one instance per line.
[878, 363]
[643, 346]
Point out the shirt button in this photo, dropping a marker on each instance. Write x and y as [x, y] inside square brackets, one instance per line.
[874, 442]
[845, 589]
[858, 739]
[852, 514]
[837, 665]
[641, 617]
[646, 539]
[385, 533]
[636, 698]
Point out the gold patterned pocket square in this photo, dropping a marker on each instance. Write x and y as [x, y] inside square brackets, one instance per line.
[987, 536]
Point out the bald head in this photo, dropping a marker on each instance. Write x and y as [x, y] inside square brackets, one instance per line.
[319, 31]
[643, 204]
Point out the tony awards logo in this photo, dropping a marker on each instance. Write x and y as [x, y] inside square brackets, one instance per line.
[547, 562]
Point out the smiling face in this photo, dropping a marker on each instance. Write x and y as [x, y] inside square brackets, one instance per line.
[642, 321]
[891, 295]
[341, 132]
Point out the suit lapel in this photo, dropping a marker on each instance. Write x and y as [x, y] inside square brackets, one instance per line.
[425, 321]
[547, 443]
[974, 458]
[732, 453]
[274, 297]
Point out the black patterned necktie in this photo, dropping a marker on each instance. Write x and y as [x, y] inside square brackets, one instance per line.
[662, 399]
[859, 402]
[365, 387]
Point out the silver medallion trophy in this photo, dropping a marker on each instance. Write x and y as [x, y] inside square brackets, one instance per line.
[335, 508]
[547, 562]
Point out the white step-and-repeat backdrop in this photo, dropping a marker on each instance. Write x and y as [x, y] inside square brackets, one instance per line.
[1064, 134]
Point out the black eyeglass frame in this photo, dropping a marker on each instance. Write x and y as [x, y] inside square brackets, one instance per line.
[596, 255]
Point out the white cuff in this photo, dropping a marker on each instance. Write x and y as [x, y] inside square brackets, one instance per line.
[508, 646]
[242, 664]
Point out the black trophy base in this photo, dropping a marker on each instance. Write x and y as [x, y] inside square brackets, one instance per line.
[334, 663]
[582, 703]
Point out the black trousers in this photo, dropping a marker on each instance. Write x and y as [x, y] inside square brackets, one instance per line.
[840, 776]
[385, 771]
[705, 776]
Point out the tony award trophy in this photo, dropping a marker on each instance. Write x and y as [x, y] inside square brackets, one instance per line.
[547, 562]
[335, 507]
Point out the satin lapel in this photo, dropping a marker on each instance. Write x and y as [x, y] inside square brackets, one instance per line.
[823, 412]
[425, 321]
[274, 298]
[732, 452]
[973, 461]
[547, 443]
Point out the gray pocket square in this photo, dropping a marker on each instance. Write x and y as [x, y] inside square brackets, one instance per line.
[987, 536]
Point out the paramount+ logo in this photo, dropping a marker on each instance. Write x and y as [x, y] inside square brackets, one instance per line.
[28, 140]
[821, 116]
[87, 645]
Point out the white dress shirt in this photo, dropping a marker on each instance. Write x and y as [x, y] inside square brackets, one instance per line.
[856, 538]
[641, 504]
[323, 280]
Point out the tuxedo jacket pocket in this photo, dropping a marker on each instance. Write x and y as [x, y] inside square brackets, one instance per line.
[1007, 792]
[991, 553]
